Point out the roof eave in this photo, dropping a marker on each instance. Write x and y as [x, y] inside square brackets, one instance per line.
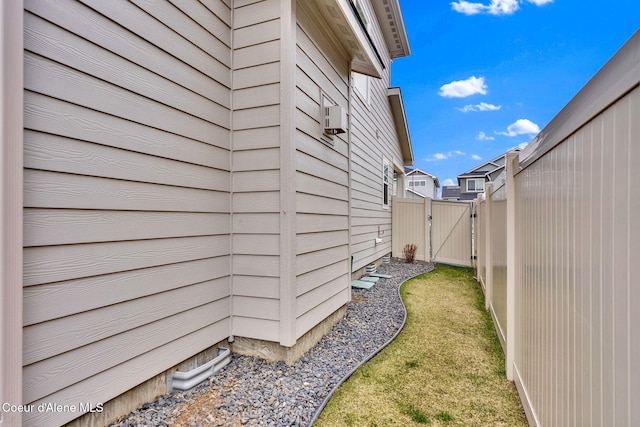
[402, 128]
[392, 24]
[345, 24]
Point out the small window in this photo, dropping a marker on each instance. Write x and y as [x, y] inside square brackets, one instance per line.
[475, 185]
[386, 180]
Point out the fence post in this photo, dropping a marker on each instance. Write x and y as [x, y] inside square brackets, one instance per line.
[427, 229]
[511, 167]
[488, 272]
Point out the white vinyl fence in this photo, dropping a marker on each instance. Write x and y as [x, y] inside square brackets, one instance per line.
[557, 242]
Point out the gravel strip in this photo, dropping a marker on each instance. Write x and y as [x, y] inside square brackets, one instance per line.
[253, 392]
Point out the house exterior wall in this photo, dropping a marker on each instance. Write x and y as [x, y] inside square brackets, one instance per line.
[429, 190]
[256, 175]
[126, 194]
[322, 279]
[373, 138]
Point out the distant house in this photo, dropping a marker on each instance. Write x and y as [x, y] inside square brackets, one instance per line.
[451, 192]
[188, 174]
[472, 182]
[421, 184]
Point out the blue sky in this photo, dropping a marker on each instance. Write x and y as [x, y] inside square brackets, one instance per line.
[485, 76]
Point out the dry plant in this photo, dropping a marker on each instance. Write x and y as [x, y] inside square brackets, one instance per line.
[409, 252]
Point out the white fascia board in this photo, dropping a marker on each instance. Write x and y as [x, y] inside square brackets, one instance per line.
[402, 128]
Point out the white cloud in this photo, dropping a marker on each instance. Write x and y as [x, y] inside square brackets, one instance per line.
[483, 137]
[522, 145]
[440, 156]
[483, 106]
[447, 182]
[476, 157]
[521, 127]
[460, 153]
[464, 88]
[496, 7]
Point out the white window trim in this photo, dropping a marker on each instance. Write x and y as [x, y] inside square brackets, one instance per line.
[386, 181]
[475, 180]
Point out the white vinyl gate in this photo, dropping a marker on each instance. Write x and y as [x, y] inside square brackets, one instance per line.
[441, 230]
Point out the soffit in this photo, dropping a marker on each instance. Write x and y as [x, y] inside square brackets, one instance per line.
[344, 23]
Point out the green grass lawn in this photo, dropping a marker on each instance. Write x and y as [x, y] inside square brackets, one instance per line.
[446, 368]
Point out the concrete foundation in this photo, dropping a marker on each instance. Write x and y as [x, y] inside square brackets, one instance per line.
[146, 392]
[150, 390]
[273, 352]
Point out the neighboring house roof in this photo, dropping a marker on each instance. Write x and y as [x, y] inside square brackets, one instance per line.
[416, 193]
[417, 171]
[486, 169]
[400, 120]
[451, 192]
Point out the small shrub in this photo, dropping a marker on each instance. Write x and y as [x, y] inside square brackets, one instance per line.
[409, 253]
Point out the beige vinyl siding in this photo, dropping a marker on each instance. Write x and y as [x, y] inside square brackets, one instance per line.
[126, 194]
[322, 179]
[373, 138]
[256, 169]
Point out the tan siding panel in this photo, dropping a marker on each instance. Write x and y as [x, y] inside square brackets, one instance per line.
[259, 75]
[316, 241]
[54, 116]
[47, 77]
[256, 286]
[255, 160]
[55, 263]
[257, 12]
[256, 244]
[257, 117]
[314, 260]
[256, 96]
[66, 226]
[57, 190]
[48, 339]
[108, 384]
[54, 300]
[216, 23]
[313, 279]
[250, 181]
[316, 315]
[53, 42]
[256, 265]
[312, 185]
[257, 308]
[260, 329]
[268, 223]
[68, 368]
[185, 26]
[250, 139]
[137, 21]
[310, 223]
[256, 34]
[310, 300]
[265, 202]
[306, 203]
[54, 153]
[262, 53]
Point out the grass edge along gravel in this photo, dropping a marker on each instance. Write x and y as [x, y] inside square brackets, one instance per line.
[446, 367]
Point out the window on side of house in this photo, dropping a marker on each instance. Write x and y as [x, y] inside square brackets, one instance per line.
[475, 185]
[386, 181]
